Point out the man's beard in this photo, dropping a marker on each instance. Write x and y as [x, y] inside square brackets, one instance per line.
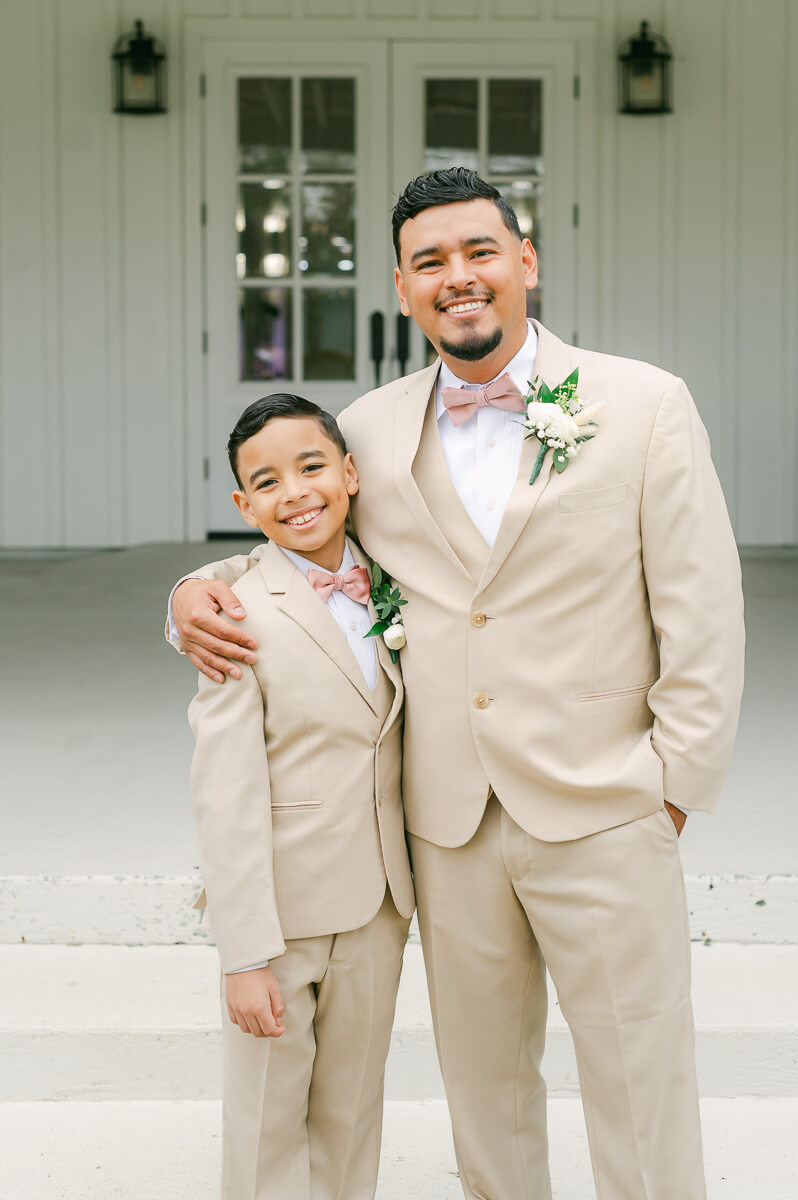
[474, 346]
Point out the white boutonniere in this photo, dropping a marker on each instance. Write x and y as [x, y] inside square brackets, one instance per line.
[387, 601]
[559, 419]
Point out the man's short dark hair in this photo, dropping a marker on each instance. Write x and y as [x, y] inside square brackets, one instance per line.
[268, 408]
[449, 186]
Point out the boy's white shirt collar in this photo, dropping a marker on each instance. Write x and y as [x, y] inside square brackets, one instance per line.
[520, 369]
[304, 564]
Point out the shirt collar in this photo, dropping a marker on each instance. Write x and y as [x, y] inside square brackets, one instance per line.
[304, 564]
[521, 370]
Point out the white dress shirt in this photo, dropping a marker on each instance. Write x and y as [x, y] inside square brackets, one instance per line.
[354, 622]
[484, 452]
[353, 618]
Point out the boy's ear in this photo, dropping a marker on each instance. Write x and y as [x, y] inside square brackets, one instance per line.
[350, 475]
[245, 508]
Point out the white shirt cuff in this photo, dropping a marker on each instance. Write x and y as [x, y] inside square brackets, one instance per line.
[172, 636]
[241, 970]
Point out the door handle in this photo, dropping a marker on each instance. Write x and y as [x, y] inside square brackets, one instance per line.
[377, 324]
[402, 341]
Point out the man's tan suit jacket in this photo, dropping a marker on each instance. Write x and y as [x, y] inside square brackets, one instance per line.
[296, 777]
[589, 664]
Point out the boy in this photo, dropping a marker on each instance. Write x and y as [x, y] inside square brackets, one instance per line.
[296, 789]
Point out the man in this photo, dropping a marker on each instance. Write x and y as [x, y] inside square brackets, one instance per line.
[573, 673]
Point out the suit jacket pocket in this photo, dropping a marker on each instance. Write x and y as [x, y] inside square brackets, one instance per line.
[300, 793]
[635, 690]
[575, 502]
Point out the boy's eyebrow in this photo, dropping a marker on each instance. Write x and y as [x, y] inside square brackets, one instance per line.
[478, 240]
[299, 458]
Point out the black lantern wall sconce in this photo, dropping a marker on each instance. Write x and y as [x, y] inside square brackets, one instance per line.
[644, 74]
[139, 73]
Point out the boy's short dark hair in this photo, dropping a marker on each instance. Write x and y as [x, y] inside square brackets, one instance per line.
[268, 408]
[449, 186]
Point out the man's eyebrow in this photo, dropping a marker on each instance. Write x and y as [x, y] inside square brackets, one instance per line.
[481, 239]
[299, 458]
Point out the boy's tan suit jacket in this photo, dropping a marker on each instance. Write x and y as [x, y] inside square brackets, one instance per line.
[589, 664]
[296, 777]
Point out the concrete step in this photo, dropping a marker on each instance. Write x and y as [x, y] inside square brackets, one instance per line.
[150, 910]
[171, 1150]
[143, 1023]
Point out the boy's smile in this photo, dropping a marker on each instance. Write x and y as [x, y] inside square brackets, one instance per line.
[296, 487]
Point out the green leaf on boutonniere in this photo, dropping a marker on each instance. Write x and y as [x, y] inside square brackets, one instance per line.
[560, 461]
[545, 394]
[376, 574]
[377, 629]
[538, 463]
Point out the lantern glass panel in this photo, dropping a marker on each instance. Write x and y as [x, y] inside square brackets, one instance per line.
[646, 86]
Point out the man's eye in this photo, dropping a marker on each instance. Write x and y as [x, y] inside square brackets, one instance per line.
[433, 262]
[480, 253]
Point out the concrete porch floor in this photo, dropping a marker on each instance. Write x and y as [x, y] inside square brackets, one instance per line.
[95, 745]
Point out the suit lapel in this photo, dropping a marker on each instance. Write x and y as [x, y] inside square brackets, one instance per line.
[411, 408]
[391, 669]
[298, 601]
[553, 364]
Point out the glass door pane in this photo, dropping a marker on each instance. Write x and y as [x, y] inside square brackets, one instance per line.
[297, 191]
[508, 113]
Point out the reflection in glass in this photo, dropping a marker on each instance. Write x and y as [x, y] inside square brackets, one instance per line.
[329, 324]
[265, 336]
[264, 125]
[328, 125]
[526, 197]
[452, 138]
[263, 222]
[515, 126]
[328, 227]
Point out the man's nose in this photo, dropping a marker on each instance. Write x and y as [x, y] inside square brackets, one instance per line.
[459, 275]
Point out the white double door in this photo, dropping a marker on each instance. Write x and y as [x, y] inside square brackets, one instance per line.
[305, 147]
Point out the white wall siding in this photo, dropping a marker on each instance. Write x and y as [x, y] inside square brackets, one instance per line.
[688, 242]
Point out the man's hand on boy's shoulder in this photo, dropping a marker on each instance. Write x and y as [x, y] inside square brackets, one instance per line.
[254, 1002]
[212, 643]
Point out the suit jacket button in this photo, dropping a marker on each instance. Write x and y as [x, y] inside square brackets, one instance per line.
[481, 700]
[478, 620]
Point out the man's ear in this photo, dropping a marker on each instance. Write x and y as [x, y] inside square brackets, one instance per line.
[245, 508]
[400, 291]
[350, 475]
[529, 261]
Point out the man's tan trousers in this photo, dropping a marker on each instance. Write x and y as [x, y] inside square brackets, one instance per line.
[607, 915]
[302, 1114]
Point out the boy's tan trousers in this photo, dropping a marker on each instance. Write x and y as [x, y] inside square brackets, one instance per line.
[302, 1114]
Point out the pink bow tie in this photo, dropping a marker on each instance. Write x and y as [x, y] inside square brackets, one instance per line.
[461, 403]
[354, 583]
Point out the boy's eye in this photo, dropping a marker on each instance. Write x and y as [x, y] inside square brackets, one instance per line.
[313, 467]
[264, 483]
